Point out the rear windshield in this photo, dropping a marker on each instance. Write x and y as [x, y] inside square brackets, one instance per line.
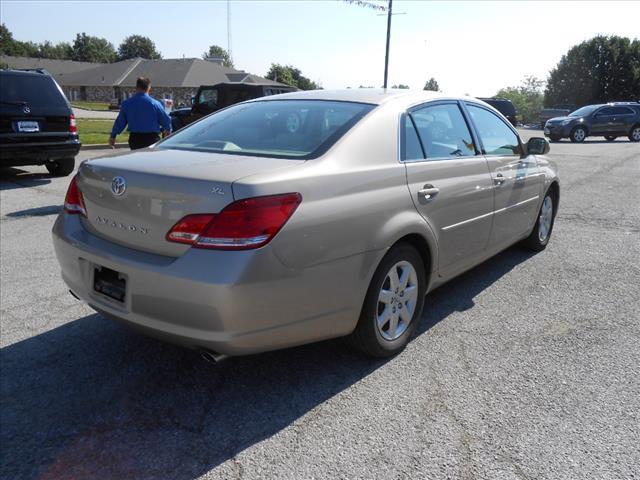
[33, 91]
[278, 128]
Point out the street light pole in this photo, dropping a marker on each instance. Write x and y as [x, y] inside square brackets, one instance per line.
[386, 55]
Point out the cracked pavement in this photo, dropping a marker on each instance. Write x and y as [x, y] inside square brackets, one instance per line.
[526, 367]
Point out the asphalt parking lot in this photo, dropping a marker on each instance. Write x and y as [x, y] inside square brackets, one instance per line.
[526, 367]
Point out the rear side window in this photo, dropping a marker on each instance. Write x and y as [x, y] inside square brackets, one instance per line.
[443, 132]
[33, 91]
[279, 128]
[496, 137]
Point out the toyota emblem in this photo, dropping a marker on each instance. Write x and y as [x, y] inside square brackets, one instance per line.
[118, 186]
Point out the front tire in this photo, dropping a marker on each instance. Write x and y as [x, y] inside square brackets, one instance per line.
[541, 233]
[578, 135]
[634, 134]
[393, 304]
[554, 138]
[61, 167]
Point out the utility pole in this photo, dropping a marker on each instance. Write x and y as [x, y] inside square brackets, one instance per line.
[229, 30]
[386, 54]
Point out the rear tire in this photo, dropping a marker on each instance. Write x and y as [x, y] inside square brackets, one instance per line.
[610, 138]
[578, 135]
[541, 233]
[634, 134]
[393, 305]
[61, 167]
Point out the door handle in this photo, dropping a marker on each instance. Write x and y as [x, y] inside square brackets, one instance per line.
[428, 192]
[499, 179]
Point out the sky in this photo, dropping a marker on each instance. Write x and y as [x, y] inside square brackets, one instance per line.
[471, 48]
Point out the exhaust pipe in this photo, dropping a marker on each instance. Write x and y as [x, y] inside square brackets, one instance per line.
[211, 356]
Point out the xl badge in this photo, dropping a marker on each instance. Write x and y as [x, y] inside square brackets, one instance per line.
[118, 186]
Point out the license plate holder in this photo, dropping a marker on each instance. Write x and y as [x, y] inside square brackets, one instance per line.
[29, 126]
[110, 283]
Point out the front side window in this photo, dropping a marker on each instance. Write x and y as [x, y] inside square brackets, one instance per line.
[443, 131]
[622, 111]
[496, 137]
[278, 128]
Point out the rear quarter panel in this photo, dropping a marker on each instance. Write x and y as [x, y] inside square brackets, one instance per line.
[355, 198]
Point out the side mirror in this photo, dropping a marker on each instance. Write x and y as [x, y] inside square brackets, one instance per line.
[193, 99]
[538, 146]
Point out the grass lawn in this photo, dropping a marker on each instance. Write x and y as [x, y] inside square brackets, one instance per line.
[97, 131]
[98, 106]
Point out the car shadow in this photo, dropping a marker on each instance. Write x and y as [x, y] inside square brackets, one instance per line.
[14, 178]
[90, 399]
[37, 212]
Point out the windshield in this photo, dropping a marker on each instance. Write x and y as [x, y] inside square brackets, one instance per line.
[31, 91]
[581, 112]
[279, 128]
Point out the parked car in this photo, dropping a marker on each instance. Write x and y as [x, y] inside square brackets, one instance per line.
[561, 110]
[611, 120]
[505, 107]
[211, 98]
[37, 126]
[303, 217]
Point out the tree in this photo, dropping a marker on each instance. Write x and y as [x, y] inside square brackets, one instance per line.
[60, 51]
[598, 70]
[291, 76]
[219, 52]
[135, 46]
[432, 85]
[7, 43]
[92, 49]
[401, 86]
[527, 98]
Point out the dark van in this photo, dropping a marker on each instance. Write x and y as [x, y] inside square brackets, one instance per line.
[37, 126]
[505, 107]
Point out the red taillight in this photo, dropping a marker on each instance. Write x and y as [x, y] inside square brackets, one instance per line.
[73, 202]
[73, 128]
[245, 224]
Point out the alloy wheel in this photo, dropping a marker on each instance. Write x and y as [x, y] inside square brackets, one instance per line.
[397, 300]
[579, 134]
[545, 219]
[635, 134]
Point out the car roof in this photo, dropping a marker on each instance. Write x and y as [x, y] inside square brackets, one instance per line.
[365, 95]
[36, 71]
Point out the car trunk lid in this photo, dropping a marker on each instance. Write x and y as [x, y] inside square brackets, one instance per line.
[134, 199]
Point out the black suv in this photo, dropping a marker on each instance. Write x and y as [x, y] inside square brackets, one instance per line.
[611, 120]
[210, 98]
[505, 107]
[37, 126]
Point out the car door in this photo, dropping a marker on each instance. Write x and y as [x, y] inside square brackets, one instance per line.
[449, 181]
[602, 122]
[516, 179]
[621, 120]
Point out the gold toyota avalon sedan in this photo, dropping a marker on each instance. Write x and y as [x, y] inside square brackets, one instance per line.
[301, 217]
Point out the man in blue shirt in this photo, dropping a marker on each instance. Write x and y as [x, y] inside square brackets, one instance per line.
[145, 117]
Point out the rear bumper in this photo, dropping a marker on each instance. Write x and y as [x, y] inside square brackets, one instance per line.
[15, 154]
[231, 302]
